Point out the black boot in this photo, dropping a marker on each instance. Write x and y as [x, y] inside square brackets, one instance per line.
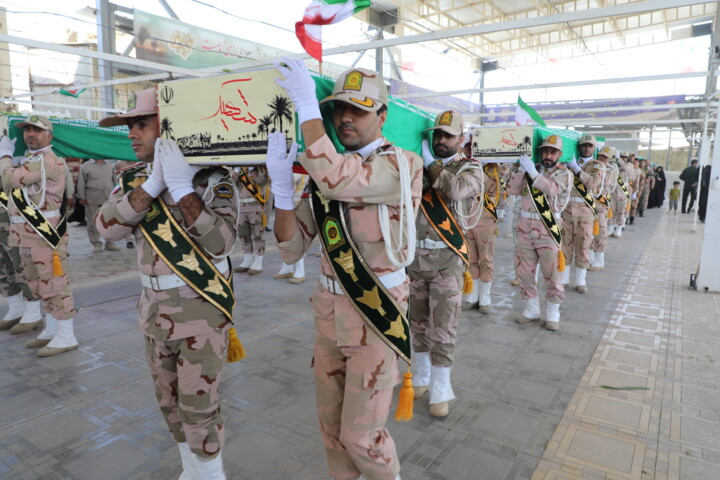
[641, 214]
[632, 220]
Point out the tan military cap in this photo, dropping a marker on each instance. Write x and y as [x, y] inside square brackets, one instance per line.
[361, 88]
[140, 104]
[38, 121]
[449, 121]
[554, 141]
[607, 151]
[587, 138]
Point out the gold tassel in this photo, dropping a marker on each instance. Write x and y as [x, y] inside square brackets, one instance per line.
[57, 266]
[561, 261]
[467, 283]
[404, 410]
[610, 213]
[629, 205]
[596, 227]
[235, 352]
[264, 219]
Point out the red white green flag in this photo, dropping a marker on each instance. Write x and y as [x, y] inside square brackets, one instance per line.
[324, 12]
[71, 91]
[526, 115]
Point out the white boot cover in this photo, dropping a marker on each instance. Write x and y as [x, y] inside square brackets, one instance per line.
[15, 307]
[32, 313]
[440, 388]
[484, 297]
[532, 308]
[421, 378]
[473, 296]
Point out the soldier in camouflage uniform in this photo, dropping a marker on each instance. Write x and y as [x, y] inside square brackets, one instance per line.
[638, 182]
[251, 228]
[648, 183]
[185, 335]
[620, 201]
[578, 217]
[436, 274]
[535, 246]
[598, 246]
[42, 177]
[355, 370]
[12, 282]
[96, 180]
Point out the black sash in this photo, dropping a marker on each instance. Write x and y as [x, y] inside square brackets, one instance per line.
[362, 287]
[602, 200]
[4, 199]
[623, 187]
[443, 222]
[173, 245]
[37, 220]
[543, 209]
[250, 185]
[489, 206]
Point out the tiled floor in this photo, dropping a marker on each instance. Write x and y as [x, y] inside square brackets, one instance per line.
[531, 403]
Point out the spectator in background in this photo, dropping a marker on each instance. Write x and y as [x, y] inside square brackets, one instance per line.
[674, 197]
[96, 181]
[690, 177]
[657, 195]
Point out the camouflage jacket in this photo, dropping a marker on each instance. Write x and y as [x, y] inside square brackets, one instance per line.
[459, 181]
[29, 175]
[551, 182]
[247, 202]
[178, 312]
[363, 184]
[626, 173]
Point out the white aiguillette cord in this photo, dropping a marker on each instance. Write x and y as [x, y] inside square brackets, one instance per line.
[407, 219]
[37, 155]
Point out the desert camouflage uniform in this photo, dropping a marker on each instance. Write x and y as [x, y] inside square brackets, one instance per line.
[35, 253]
[648, 184]
[436, 275]
[250, 227]
[355, 371]
[599, 242]
[12, 280]
[481, 238]
[638, 181]
[534, 243]
[185, 336]
[578, 219]
[619, 200]
[95, 183]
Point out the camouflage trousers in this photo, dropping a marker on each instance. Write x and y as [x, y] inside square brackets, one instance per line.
[481, 247]
[54, 291]
[634, 207]
[619, 204]
[535, 247]
[12, 280]
[436, 283]
[643, 201]
[599, 241]
[355, 372]
[251, 232]
[577, 234]
[187, 376]
[92, 231]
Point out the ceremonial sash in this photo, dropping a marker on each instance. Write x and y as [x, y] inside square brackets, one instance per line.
[250, 185]
[175, 247]
[443, 222]
[35, 218]
[489, 206]
[4, 199]
[362, 287]
[500, 184]
[623, 187]
[582, 190]
[602, 200]
[542, 206]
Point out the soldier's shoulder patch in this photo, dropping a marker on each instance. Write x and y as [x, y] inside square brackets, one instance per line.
[223, 190]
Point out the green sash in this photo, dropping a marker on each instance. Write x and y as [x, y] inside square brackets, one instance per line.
[623, 187]
[543, 209]
[37, 220]
[362, 287]
[602, 200]
[250, 185]
[443, 222]
[173, 245]
[582, 190]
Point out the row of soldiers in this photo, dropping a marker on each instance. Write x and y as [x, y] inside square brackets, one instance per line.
[399, 231]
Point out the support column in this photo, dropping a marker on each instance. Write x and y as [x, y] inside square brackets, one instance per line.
[106, 44]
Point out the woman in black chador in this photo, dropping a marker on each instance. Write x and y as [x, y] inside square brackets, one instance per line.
[657, 194]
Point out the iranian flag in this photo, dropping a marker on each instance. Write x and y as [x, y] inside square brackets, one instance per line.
[525, 115]
[324, 12]
[71, 91]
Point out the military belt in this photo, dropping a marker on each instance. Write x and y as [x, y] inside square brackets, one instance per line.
[428, 244]
[536, 216]
[389, 280]
[46, 214]
[166, 282]
[577, 200]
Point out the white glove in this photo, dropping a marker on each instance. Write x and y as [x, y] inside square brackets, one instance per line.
[528, 165]
[300, 87]
[155, 183]
[573, 165]
[177, 173]
[634, 196]
[279, 167]
[427, 155]
[466, 138]
[7, 147]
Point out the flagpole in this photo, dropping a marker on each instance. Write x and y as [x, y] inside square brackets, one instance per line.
[320, 67]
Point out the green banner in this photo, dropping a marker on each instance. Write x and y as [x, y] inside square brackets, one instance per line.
[569, 139]
[80, 139]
